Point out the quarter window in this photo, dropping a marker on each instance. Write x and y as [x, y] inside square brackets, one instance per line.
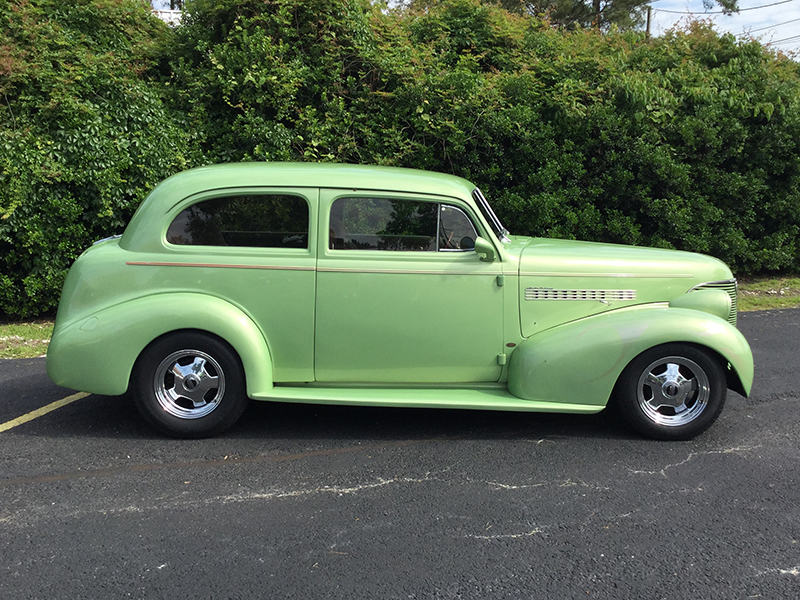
[456, 231]
[260, 221]
[399, 225]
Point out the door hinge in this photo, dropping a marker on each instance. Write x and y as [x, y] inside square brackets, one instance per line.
[501, 359]
[501, 280]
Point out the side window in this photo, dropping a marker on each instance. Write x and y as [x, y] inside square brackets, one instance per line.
[456, 231]
[260, 221]
[383, 224]
[408, 225]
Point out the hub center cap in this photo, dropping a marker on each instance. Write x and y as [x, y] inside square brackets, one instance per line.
[191, 382]
[670, 389]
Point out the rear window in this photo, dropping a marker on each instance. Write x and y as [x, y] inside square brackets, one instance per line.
[259, 221]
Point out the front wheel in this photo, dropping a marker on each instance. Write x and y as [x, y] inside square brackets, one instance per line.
[672, 392]
[189, 385]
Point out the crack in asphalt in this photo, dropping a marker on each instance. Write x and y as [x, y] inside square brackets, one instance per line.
[220, 462]
[320, 490]
[506, 536]
[692, 455]
[795, 571]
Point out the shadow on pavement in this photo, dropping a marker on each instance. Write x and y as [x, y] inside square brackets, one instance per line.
[116, 417]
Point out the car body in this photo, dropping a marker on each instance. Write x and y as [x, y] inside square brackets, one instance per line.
[360, 285]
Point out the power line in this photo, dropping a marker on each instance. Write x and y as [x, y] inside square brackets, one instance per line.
[789, 39]
[721, 12]
[748, 32]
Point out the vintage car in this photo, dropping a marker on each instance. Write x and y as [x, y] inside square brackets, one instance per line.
[359, 285]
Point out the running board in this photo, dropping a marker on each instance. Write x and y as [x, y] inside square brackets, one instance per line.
[477, 399]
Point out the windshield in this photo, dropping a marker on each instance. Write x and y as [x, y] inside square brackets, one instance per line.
[488, 214]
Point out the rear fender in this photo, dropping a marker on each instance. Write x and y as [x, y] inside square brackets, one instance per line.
[96, 354]
[580, 362]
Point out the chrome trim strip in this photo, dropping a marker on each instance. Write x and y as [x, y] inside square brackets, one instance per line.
[489, 215]
[621, 275]
[532, 293]
[218, 266]
[290, 268]
[400, 272]
[105, 239]
[721, 283]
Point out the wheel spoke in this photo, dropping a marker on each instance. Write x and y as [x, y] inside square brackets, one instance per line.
[198, 364]
[680, 408]
[179, 372]
[673, 372]
[198, 394]
[654, 383]
[654, 380]
[658, 402]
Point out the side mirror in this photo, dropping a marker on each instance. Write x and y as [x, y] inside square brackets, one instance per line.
[484, 249]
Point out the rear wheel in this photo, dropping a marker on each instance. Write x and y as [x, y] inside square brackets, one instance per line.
[672, 392]
[189, 385]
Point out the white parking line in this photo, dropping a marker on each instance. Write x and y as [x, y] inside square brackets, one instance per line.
[41, 411]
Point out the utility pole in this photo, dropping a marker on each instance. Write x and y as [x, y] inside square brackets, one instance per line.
[647, 31]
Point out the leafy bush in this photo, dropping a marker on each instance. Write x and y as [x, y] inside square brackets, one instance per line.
[690, 140]
[685, 141]
[83, 135]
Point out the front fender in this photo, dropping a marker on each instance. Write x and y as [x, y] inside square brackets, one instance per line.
[580, 362]
[96, 354]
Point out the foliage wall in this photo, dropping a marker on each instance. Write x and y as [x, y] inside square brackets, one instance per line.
[689, 140]
[83, 135]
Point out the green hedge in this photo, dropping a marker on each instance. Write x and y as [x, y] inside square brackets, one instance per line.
[83, 135]
[689, 140]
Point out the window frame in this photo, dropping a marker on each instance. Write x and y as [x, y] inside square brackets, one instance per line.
[488, 212]
[309, 196]
[409, 197]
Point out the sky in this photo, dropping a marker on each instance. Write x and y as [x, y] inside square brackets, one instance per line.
[775, 24]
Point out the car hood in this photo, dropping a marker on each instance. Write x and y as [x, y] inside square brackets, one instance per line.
[564, 280]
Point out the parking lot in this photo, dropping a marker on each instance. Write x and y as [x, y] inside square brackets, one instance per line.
[330, 502]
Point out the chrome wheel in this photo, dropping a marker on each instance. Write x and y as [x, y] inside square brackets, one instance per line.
[673, 391]
[189, 384]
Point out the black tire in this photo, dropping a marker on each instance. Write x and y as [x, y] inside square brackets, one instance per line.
[189, 385]
[672, 392]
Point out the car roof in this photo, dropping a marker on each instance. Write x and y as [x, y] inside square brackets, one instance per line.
[331, 175]
[284, 174]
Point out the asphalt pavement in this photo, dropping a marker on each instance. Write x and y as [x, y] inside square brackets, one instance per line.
[334, 502]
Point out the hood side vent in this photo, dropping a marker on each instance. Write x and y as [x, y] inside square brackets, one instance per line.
[533, 293]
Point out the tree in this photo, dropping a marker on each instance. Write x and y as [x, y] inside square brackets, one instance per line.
[161, 4]
[601, 14]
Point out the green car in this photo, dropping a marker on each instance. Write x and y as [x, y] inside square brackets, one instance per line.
[373, 286]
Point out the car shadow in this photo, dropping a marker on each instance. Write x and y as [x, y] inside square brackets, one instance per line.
[116, 417]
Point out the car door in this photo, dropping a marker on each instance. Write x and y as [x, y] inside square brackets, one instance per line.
[253, 247]
[402, 297]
